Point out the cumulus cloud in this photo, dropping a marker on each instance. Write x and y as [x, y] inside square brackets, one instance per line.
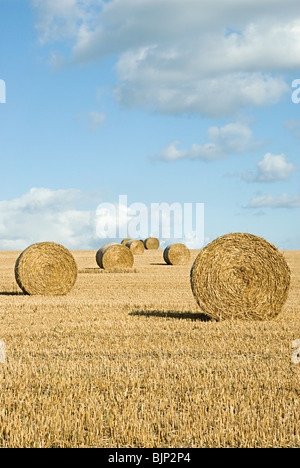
[210, 57]
[273, 167]
[233, 138]
[62, 216]
[218, 95]
[62, 19]
[47, 215]
[282, 201]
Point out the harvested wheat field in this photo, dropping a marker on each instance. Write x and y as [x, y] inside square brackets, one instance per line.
[127, 359]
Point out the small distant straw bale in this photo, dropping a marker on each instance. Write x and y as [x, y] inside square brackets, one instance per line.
[240, 275]
[124, 241]
[177, 254]
[46, 268]
[136, 247]
[113, 255]
[151, 243]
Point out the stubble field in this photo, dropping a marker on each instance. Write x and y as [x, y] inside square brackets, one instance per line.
[127, 359]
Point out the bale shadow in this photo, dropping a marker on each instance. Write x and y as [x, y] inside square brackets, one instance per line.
[172, 314]
[84, 270]
[168, 265]
[90, 270]
[12, 293]
[101, 271]
[164, 264]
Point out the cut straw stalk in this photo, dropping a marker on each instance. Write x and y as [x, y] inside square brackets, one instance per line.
[240, 275]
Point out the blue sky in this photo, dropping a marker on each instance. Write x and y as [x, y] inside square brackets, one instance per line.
[160, 100]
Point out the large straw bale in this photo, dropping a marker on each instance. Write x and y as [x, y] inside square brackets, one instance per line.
[136, 246]
[113, 255]
[176, 254]
[151, 243]
[46, 268]
[240, 275]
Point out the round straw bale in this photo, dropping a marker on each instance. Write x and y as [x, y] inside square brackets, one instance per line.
[136, 246]
[151, 243]
[114, 255]
[176, 254]
[124, 241]
[240, 275]
[46, 268]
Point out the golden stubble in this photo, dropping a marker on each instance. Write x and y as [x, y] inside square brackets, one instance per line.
[129, 360]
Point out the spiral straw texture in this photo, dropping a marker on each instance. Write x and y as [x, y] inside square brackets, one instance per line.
[114, 255]
[46, 268]
[240, 275]
[151, 243]
[136, 247]
[176, 254]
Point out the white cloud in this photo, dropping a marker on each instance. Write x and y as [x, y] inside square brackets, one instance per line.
[233, 138]
[47, 215]
[282, 201]
[210, 56]
[273, 167]
[61, 19]
[62, 216]
[171, 153]
[221, 94]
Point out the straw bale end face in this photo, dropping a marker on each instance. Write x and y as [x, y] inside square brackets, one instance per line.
[240, 275]
[151, 243]
[136, 247]
[46, 268]
[113, 255]
[176, 254]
